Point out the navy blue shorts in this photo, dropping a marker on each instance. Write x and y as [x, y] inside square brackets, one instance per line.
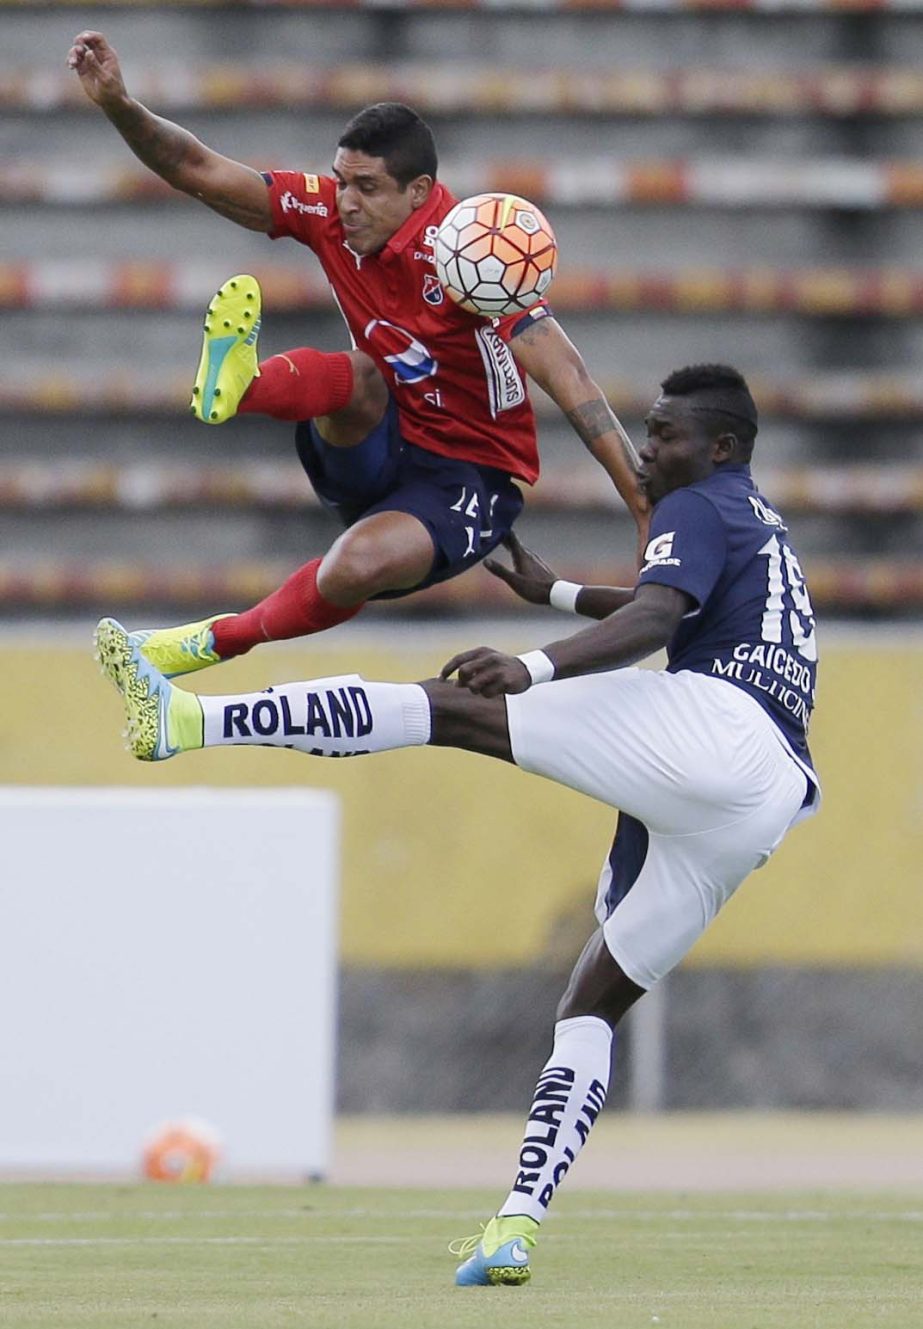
[467, 509]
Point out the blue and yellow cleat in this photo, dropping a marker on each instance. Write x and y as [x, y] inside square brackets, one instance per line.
[228, 363]
[498, 1256]
[180, 650]
[161, 720]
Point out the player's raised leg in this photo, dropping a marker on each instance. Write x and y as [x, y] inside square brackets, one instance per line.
[387, 551]
[353, 444]
[342, 391]
[337, 717]
[326, 717]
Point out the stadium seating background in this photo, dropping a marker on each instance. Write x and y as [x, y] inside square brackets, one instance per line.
[769, 214]
[725, 185]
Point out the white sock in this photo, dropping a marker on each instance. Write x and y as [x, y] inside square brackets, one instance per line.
[325, 717]
[568, 1097]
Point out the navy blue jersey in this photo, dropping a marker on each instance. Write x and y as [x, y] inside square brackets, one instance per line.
[726, 547]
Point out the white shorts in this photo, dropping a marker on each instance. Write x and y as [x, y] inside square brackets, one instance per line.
[694, 759]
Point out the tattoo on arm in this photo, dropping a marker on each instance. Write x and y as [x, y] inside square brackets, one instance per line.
[592, 419]
[179, 158]
[161, 145]
[534, 332]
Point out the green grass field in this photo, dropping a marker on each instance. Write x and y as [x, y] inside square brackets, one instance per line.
[183, 1257]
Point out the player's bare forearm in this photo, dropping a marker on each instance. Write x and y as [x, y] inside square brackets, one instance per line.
[551, 359]
[165, 148]
[595, 422]
[532, 580]
[177, 156]
[601, 601]
[632, 633]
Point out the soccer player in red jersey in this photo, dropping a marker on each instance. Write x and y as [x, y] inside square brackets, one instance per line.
[417, 435]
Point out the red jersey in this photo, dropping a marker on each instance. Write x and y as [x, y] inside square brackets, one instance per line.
[458, 389]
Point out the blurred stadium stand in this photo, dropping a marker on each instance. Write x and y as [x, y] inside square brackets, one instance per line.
[739, 181]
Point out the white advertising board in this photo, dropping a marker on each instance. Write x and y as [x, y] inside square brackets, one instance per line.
[164, 955]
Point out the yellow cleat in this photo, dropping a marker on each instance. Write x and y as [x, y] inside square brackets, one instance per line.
[161, 720]
[498, 1256]
[181, 650]
[228, 364]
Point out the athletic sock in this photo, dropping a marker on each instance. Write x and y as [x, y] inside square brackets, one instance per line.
[570, 1092]
[296, 609]
[325, 717]
[300, 385]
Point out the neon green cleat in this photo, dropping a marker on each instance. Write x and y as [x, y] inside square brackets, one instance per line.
[228, 363]
[180, 650]
[162, 720]
[498, 1256]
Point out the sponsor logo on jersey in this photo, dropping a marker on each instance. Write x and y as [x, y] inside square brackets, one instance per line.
[410, 360]
[289, 203]
[505, 388]
[767, 515]
[428, 242]
[659, 552]
[433, 293]
[311, 184]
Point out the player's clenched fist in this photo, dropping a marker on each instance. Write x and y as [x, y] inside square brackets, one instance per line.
[97, 66]
[487, 672]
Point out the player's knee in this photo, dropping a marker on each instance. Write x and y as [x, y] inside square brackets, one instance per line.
[359, 566]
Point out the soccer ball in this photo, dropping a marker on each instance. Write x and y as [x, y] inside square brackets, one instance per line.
[181, 1151]
[495, 254]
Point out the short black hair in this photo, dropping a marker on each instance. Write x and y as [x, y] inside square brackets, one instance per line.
[395, 133]
[723, 395]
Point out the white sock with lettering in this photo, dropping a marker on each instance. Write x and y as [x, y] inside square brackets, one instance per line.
[326, 717]
[568, 1097]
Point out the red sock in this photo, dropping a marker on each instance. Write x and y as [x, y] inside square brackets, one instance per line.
[296, 609]
[300, 385]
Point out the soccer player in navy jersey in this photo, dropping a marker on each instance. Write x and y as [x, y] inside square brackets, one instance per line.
[707, 760]
[417, 436]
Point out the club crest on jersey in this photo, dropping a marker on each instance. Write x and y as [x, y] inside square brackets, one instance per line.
[433, 292]
[409, 358]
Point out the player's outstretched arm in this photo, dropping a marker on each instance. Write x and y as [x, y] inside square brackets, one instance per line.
[625, 637]
[533, 580]
[228, 187]
[550, 358]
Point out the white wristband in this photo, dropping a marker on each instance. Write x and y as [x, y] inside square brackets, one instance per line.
[563, 595]
[540, 668]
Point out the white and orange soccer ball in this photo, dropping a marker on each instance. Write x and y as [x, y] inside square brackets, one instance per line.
[181, 1151]
[495, 254]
